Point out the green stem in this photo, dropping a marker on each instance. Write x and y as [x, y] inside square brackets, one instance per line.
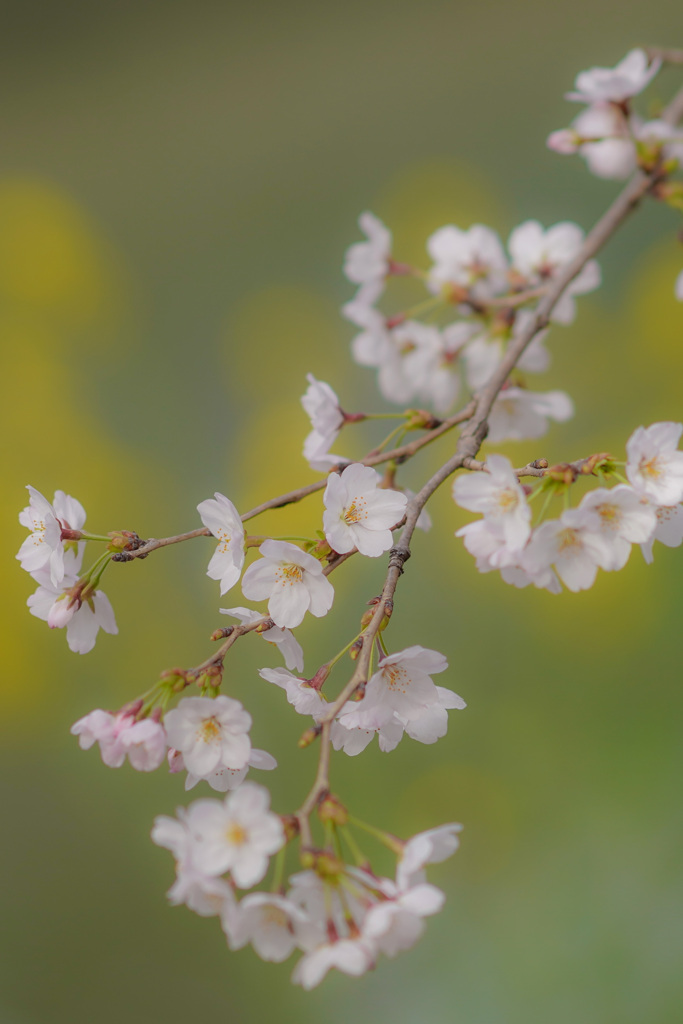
[385, 838]
[343, 651]
[279, 870]
[93, 536]
[353, 846]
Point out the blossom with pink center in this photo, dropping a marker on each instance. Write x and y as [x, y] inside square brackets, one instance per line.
[654, 467]
[401, 696]
[44, 549]
[322, 406]
[472, 259]
[238, 834]
[210, 732]
[604, 138]
[519, 415]
[223, 779]
[573, 544]
[668, 531]
[624, 520]
[614, 85]
[430, 847]
[220, 516]
[283, 639]
[498, 495]
[83, 619]
[291, 580]
[540, 256]
[359, 513]
[274, 926]
[144, 742]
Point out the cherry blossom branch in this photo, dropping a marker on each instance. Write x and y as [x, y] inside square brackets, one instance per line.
[400, 454]
[667, 56]
[467, 448]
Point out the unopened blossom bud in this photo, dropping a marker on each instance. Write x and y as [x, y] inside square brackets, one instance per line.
[319, 678]
[221, 634]
[327, 865]
[290, 824]
[563, 473]
[600, 459]
[421, 419]
[355, 649]
[124, 540]
[176, 762]
[308, 737]
[331, 809]
[62, 612]
[564, 141]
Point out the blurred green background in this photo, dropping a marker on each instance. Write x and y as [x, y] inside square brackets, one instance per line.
[178, 184]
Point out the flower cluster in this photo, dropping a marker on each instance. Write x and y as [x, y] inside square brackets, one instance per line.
[598, 534]
[340, 916]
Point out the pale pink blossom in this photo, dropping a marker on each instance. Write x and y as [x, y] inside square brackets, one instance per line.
[44, 549]
[83, 619]
[624, 520]
[238, 834]
[350, 956]
[359, 513]
[291, 580]
[628, 78]
[430, 847]
[472, 259]
[303, 697]
[144, 742]
[221, 517]
[668, 531]
[541, 255]
[205, 894]
[210, 732]
[322, 406]
[606, 141]
[367, 263]
[519, 415]
[678, 289]
[498, 495]
[573, 544]
[394, 925]
[283, 639]
[222, 779]
[655, 466]
[274, 925]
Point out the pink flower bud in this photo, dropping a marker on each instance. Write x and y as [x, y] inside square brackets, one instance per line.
[564, 141]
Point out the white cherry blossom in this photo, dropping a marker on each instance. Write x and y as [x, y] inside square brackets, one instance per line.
[678, 288]
[401, 696]
[498, 495]
[605, 141]
[541, 255]
[205, 894]
[368, 263]
[283, 639]
[655, 467]
[573, 544]
[350, 956]
[220, 516]
[238, 834]
[359, 513]
[210, 732]
[291, 580]
[519, 415]
[473, 259]
[83, 619]
[44, 549]
[303, 697]
[274, 925]
[394, 925]
[322, 406]
[624, 520]
[628, 78]
[145, 744]
[430, 847]
[223, 779]
[668, 531]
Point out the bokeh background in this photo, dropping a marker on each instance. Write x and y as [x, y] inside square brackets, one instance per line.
[178, 184]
